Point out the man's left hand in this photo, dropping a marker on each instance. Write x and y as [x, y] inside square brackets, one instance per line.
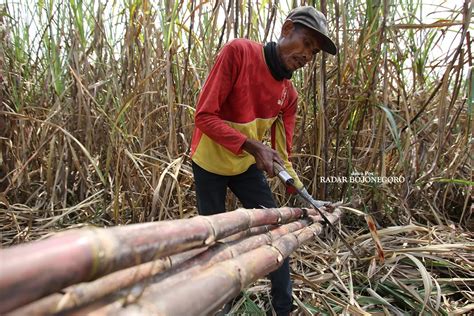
[264, 156]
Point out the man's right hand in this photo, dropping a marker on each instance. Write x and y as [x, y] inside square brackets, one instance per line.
[264, 155]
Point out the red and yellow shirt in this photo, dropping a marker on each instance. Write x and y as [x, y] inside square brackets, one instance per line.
[241, 100]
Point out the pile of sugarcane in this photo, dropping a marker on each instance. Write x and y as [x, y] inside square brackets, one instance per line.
[180, 267]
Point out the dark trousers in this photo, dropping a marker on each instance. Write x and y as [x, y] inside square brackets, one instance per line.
[251, 188]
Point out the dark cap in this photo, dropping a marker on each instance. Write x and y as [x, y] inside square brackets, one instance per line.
[315, 20]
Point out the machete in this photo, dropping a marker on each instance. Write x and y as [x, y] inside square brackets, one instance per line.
[285, 177]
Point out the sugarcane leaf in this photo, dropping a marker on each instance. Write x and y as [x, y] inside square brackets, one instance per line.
[402, 299]
[393, 128]
[455, 181]
[373, 231]
[425, 277]
[383, 301]
[249, 307]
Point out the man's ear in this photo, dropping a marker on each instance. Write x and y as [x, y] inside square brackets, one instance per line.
[287, 28]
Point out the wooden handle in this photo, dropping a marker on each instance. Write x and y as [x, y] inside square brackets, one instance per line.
[281, 172]
[277, 167]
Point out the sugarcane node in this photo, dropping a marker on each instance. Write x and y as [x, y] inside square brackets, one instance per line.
[279, 254]
[280, 257]
[270, 236]
[305, 213]
[212, 237]
[249, 217]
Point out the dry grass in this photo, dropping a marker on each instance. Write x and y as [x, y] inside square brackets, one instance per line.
[427, 270]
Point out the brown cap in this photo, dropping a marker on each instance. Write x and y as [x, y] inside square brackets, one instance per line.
[315, 20]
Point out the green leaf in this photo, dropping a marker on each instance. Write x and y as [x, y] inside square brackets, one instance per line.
[393, 128]
[455, 181]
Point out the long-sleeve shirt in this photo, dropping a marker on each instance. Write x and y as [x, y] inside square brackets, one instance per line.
[240, 99]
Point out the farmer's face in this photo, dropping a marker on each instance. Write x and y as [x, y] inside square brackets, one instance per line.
[297, 45]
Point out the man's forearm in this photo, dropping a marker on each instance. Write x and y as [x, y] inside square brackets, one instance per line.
[251, 146]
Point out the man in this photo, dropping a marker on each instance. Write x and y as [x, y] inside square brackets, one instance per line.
[247, 93]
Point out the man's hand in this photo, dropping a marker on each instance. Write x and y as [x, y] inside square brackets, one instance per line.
[264, 155]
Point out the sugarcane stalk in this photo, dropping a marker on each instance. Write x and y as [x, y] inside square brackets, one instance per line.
[32, 271]
[220, 252]
[180, 271]
[250, 232]
[265, 228]
[86, 293]
[208, 290]
[82, 294]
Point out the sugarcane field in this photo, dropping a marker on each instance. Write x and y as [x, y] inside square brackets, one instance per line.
[236, 157]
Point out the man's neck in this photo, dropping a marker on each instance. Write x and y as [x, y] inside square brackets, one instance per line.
[274, 62]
